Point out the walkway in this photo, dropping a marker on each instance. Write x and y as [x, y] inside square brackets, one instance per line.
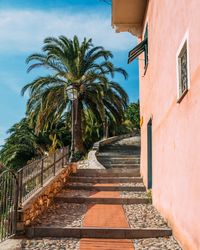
[106, 209]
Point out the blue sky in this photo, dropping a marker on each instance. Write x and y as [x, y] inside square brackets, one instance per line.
[25, 23]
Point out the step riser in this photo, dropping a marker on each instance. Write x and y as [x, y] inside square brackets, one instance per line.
[117, 154]
[88, 200]
[129, 166]
[120, 162]
[106, 233]
[106, 180]
[107, 188]
[118, 159]
[120, 167]
[107, 175]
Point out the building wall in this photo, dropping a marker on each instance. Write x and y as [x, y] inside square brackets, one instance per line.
[176, 127]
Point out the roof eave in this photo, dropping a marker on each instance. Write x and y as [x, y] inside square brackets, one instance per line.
[128, 16]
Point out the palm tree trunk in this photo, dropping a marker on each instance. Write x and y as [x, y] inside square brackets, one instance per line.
[78, 137]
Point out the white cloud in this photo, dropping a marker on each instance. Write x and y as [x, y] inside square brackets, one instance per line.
[24, 30]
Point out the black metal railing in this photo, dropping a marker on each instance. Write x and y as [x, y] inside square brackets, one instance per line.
[34, 175]
[17, 187]
[8, 204]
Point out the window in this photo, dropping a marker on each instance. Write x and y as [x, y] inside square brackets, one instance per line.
[139, 49]
[182, 72]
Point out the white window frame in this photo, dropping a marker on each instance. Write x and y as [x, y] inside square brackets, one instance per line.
[184, 41]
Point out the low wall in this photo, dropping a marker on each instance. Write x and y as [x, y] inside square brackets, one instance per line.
[40, 201]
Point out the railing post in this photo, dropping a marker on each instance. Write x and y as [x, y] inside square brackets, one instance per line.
[67, 155]
[16, 203]
[63, 155]
[20, 189]
[54, 163]
[42, 173]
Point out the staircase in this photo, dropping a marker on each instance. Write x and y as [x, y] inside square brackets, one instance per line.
[121, 154]
[105, 209]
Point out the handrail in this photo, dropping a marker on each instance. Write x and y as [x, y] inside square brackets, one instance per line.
[34, 175]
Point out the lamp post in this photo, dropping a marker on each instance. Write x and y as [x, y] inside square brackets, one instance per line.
[72, 94]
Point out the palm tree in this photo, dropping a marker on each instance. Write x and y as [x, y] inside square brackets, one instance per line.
[83, 67]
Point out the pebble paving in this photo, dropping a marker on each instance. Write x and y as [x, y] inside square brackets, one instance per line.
[144, 216]
[168, 243]
[83, 164]
[132, 184]
[62, 215]
[50, 244]
[130, 194]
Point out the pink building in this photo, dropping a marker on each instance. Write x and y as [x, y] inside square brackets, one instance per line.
[168, 34]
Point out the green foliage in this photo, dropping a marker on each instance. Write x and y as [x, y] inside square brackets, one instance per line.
[83, 67]
[101, 102]
[149, 195]
[23, 144]
[132, 114]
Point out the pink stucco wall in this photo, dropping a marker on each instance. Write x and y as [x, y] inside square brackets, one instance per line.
[176, 127]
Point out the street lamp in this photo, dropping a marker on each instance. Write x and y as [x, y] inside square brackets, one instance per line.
[72, 94]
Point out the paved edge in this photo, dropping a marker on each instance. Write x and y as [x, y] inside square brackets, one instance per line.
[93, 232]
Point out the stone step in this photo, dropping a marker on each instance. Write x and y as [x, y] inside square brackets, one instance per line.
[80, 186]
[119, 161]
[117, 154]
[122, 147]
[121, 165]
[107, 173]
[96, 232]
[124, 169]
[61, 198]
[106, 179]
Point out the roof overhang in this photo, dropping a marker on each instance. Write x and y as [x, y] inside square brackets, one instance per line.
[128, 15]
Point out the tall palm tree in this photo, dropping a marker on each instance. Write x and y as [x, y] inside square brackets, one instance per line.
[83, 67]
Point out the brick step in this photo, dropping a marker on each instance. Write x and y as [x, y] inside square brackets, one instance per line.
[106, 244]
[106, 179]
[94, 232]
[107, 173]
[61, 198]
[80, 186]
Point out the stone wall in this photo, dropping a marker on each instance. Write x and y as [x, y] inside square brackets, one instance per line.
[41, 200]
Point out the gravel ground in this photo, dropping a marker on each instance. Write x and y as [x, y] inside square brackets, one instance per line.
[132, 184]
[62, 215]
[50, 244]
[128, 141]
[83, 164]
[156, 244]
[144, 216]
[129, 194]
